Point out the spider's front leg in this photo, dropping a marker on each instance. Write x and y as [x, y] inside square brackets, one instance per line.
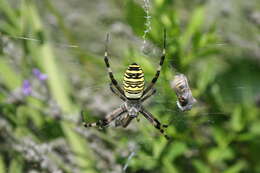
[155, 122]
[110, 73]
[157, 74]
[145, 97]
[108, 119]
[117, 93]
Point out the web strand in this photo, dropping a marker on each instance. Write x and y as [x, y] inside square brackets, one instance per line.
[147, 23]
[36, 40]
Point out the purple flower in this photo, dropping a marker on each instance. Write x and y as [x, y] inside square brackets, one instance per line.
[26, 88]
[36, 72]
[40, 76]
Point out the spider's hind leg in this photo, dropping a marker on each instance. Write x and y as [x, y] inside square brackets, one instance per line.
[127, 121]
[155, 122]
[100, 123]
[108, 119]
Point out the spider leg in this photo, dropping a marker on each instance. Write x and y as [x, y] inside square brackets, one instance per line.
[159, 67]
[108, 119]
[148, 95]
[155, 122]
[117, 93]
[126, 121]
[110, 73]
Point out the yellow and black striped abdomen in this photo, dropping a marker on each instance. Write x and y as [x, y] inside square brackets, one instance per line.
[133, 82]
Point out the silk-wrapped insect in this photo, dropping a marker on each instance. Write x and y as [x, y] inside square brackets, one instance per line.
[183, 92]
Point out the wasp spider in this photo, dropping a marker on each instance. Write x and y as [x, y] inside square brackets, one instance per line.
[133, 94]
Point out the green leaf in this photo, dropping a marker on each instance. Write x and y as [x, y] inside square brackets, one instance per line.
[179, 149]
[10, 78]
[201, 167]
[194, 26]
[9, 13]
[16, 166]
[236, 122]
[237, 167]
[2, 165]
[135, 16]
[221, 137]
[255, 128]
[218, 155]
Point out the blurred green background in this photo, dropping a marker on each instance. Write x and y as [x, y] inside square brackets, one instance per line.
[215, 43]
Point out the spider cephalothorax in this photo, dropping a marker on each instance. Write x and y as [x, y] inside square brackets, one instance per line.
[133, 107]
[133, 94]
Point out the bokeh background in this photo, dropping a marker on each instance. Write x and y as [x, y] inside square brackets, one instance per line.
[51, 68]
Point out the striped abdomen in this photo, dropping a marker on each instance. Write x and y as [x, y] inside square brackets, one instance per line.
[133, 82]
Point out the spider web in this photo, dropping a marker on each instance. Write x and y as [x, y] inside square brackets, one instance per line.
[102, 89]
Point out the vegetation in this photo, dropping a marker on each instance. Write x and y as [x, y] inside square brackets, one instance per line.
[51, 68]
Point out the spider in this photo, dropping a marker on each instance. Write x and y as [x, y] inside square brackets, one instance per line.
[133, 94]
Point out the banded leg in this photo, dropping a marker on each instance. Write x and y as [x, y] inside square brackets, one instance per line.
[110, 73]
[155, 122]
[123, 121]
[117, 93]
[148, 95]
[159, 67]
[108, 119]
[126, 121]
